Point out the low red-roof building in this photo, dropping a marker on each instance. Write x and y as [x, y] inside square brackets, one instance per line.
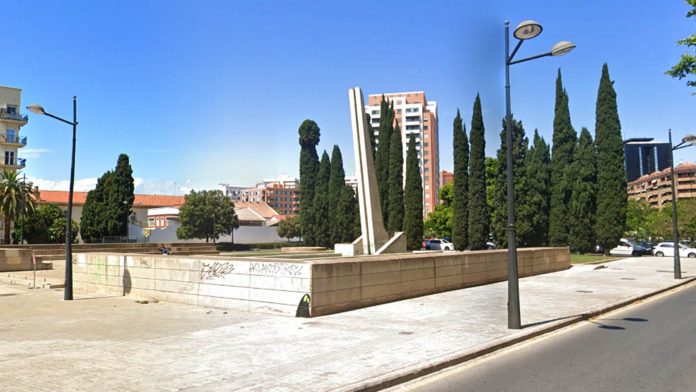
[141, 203]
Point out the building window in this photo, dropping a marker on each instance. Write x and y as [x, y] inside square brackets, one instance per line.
[425, 144]
[425, 127]
[11, 109]
[9, 157]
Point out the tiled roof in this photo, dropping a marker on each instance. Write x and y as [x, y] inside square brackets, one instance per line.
[684, 167]
[141, 201]
[259, 207]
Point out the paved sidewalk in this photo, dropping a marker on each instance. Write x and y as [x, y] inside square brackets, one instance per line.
[113, 343]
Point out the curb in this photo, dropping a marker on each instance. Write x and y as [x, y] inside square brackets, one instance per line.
[410, 373]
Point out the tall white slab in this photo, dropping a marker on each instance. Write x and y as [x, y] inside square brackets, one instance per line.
[374, 235]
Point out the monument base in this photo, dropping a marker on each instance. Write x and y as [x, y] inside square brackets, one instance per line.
[304, 288]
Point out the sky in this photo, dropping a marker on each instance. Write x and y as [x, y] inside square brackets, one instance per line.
[205, 92]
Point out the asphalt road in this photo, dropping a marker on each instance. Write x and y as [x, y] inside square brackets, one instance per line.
[647, 347]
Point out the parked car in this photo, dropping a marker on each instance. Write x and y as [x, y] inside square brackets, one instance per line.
[438, 244]
[667, 249]
[647, 245]
[628, 247]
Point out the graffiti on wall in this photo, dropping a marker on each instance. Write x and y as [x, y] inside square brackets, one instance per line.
[216, 270]
[275, 269]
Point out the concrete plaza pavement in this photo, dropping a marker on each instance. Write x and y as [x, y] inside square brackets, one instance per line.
[99, 343]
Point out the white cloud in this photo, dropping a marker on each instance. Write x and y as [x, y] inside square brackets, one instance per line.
[34, 152]
[81, 185]
[142, 186]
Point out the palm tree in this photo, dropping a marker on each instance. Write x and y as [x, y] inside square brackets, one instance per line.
[16, 198]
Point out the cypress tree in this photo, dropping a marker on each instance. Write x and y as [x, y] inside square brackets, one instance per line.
[583, 200]
[499, 216]
[538, 200]
[611, 174]
[564, 139]
[120, 196]
[309, 167]
[396, 182]
[478, 208]
[355, 207]
[413, 208]
[373, 139]
[321, 227]
[337, 183]
[386, 128]
[460, 202]
[93, 224]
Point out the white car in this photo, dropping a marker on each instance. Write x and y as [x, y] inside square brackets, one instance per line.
[438, 244]
[627, 247]
[667, 249]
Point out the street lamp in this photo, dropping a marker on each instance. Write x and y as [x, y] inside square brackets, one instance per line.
[528, 29]
[38, 109]
[688, 140]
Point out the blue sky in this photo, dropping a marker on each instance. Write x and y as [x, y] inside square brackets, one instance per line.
[202, 92]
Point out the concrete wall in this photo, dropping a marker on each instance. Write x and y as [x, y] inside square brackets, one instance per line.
[279, 286]
[242, 235]
[373, 280]
[249, 285]
[15, 260]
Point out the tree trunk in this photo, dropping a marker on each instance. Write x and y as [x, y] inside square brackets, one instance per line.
[7, 223]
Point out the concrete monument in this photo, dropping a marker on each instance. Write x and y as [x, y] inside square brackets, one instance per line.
[375, 238]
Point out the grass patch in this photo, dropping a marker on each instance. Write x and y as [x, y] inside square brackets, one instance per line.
[590, 258]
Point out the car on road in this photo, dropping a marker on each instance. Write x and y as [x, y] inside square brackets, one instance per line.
[438, 244]
[667, 249]
[628, 247]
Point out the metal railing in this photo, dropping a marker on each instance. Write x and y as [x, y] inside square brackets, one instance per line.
[12, 116]
[14, 140]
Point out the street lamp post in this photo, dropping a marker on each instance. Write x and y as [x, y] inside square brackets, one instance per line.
[38, 109]
[528, 29]
[688, 140]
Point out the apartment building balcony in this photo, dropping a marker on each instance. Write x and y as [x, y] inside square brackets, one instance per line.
[14, 140]
[5, 115]
[20, 163]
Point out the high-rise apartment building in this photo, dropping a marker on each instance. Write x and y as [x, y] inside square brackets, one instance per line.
[416, 116]
[10, 122]
[656, 188]
[645, 156]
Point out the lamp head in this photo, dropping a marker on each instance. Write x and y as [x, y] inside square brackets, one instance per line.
[562, 48]
[689, 139]
[528, 29]
[36, 109]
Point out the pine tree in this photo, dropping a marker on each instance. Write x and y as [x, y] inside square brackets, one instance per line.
[499, 215]
[460, 202]
[413, 196]
[478, 208]
[321, 227]
[611, 174]
[386, 128]
[538, 200]
[309, 167]
[583, 200]
[396, 182]
[564, 139]
[337, 183]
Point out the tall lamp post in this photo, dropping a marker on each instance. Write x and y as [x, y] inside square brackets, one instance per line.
[688, 140]
[38, 109]
[528, 29]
